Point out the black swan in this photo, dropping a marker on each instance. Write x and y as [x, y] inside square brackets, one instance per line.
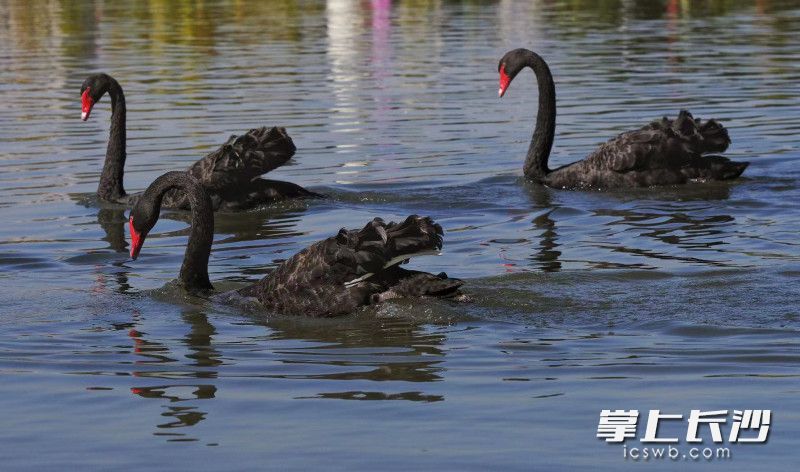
[331, 277]
[664, 152]
[229, 174]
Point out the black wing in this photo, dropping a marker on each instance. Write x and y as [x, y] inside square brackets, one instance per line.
[663, 144]
[323, 279]
[243, 158]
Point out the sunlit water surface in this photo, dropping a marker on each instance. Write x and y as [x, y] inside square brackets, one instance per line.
[673, 299]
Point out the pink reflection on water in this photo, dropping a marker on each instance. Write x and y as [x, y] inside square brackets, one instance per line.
[381, 67]
[381, 48]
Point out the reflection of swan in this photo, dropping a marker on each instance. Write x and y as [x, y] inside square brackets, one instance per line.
[548, 254]
[390, 353]
[664, 152]
[203, 353]
[383, 351]
[112, 220]
[180, 415]
[119, 278]
[547, 257]
[636, 222]
[230, 174]
[672, 227]
[331, 277]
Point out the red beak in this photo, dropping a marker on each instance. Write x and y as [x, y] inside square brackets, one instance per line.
[505, 80]
[137, 240]
[86, 105]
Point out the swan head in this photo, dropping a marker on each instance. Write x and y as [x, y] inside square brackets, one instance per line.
[510, 65]
[92, 89]
[141, 220]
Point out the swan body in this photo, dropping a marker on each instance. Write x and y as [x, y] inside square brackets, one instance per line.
[331, 277]
[664, 152]
[230, 174]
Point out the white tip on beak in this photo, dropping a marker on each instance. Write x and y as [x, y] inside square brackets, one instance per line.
[84, 115]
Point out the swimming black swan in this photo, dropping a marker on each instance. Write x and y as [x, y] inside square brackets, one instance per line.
[331, 277]
[664, 152]
[229, 174]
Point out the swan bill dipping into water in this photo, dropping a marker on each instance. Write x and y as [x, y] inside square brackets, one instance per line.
[664, 152]
[329, 278]
[230, 174]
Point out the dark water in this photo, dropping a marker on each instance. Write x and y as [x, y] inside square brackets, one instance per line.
[672, 299]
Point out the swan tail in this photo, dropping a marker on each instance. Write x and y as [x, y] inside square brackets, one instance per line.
[379, 246]
[406, 283]
[700, 137]
[715, 137]
[696, 136]
[714, 168]
[420, 284]
[244, 157]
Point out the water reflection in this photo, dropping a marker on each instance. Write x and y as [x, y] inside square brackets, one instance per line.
[111, 279]
[547, 256]
[199, 341]
[181, 408]
[316, 355]
[112, 221]
[612, 230]
[365, 349]
[614, 13]
[179, 411]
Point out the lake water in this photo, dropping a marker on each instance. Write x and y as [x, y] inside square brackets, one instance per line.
[672, 299]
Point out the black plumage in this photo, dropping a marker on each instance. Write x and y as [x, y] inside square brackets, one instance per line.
[664, 152]
[230, 174]
[329, 278]
[355, 268]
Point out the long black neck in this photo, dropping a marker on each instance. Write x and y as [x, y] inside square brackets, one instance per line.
[542, 141]
[111, 187]
[194, 271]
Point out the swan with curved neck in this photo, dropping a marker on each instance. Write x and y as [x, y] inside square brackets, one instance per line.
[230, 174]
[194, 270]
[331, 277]
[664, 152]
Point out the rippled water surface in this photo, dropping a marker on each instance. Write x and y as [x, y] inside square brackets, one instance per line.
[675, 298]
